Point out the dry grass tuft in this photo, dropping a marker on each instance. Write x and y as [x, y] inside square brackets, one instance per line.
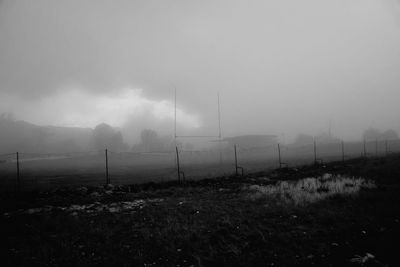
[308, 190]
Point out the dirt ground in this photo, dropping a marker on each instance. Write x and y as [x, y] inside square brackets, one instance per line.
[208, 222]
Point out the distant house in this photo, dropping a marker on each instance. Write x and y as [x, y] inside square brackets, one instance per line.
[375, 134]
[251, 141]
[326, 139]
[323, 138]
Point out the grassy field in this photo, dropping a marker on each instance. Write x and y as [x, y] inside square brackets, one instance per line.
[337, 214]
[47, 172]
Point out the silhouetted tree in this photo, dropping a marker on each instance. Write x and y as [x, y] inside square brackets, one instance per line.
[390, 135]
[104, 136]
[371, 134]
[151, 141]
[326, 138]
[303, 139]
[7, 117]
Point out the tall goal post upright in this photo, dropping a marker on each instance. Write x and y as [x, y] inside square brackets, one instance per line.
[219, 136]
[175, 118]
[219, 130]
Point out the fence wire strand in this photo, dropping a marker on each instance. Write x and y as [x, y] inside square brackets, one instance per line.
[128, 164]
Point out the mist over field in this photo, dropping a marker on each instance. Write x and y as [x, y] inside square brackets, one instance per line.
[199, 132]
[280, 67]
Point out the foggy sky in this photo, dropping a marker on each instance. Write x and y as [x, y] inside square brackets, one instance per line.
[279, 66]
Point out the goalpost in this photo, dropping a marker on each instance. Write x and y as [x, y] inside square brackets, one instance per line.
[219, 136]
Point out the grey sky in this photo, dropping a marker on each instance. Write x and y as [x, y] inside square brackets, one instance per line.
[280, 66]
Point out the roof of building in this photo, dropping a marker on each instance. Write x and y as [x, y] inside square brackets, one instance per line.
[253, 137]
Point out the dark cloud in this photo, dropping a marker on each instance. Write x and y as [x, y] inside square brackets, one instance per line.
[275, 61]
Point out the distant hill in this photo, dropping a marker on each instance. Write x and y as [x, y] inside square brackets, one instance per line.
[27, 137]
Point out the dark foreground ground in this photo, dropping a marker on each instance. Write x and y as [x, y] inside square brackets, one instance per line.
[207, 223]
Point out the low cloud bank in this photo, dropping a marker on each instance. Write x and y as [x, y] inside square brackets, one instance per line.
[126, 108]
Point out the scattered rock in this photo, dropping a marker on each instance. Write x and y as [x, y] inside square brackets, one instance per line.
[362, 259]
[326, 176]
[95, 194]
[113, 209]
[82, 190]
[109, 187]
[33, 210]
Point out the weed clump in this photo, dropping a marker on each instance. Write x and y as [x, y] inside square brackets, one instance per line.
[308, 190]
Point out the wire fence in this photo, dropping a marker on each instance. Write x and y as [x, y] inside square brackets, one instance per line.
[31, 171]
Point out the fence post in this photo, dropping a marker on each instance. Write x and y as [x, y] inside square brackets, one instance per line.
[107, 177]
[279, 156]
[177, 164]
[365, 149]
[315, 152]
[386, 147]
[342, 151]
[18, 178]
[236, 166]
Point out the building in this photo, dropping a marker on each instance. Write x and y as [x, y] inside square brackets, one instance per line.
[251, 141]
